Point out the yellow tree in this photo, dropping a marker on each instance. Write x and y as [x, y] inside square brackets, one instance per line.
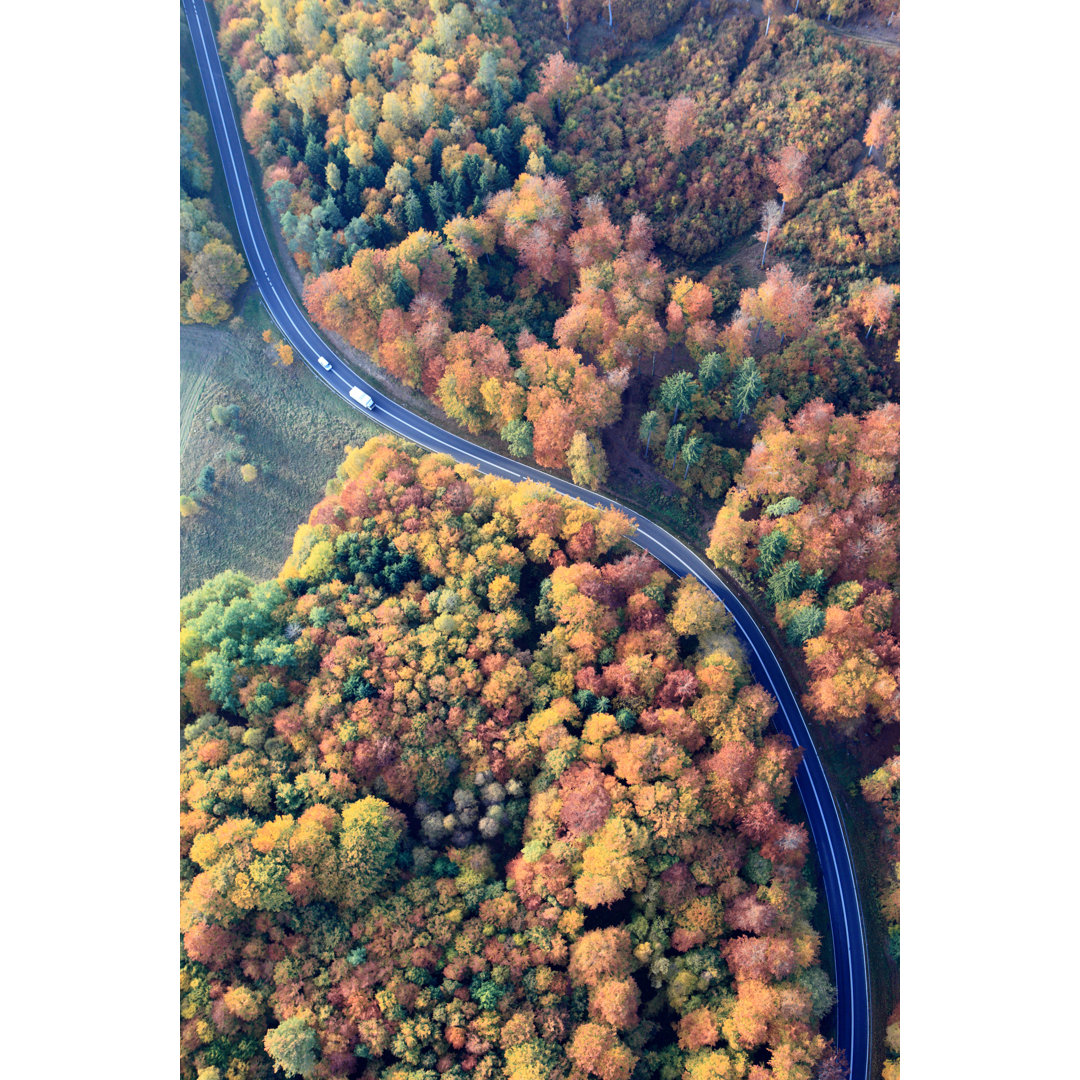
[587, 461]
[877, 126]
[696, 612]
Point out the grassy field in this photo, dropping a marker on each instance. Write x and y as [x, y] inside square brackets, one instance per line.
[291, 428]
[294, 431]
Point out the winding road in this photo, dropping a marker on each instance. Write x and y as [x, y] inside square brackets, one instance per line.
[851, 973]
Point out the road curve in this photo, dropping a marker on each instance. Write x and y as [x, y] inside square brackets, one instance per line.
[826, 826]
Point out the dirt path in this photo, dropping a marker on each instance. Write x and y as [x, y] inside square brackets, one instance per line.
[869, 28]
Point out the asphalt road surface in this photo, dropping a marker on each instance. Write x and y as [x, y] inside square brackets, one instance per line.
[841, 892]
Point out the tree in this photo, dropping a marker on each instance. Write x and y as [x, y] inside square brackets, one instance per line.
[649, 423]
[217, 271]
[712, 370]
[852, 664]
[771, 550]
[601, 954]
[587, 461]
[439, 202]
[677, 392]
[518, 436]
[553, 427]
[833, 1066]
[402, 290]
[876, 126]
[226, 415]
[680, 123]
[783, 301]
[674, 442]
[196, 171]
[873, 305]
[557, 75]
[249, 472]
[566, 10]
[204, 485]
[285, 354]
[696, 612]
[596, 1049]
[693, 451]
[806, 623]
[371, 831]
[292, 1045]
[414, 211]
[746, 387]
[771, 213]
[188, 506]
[615, 1001]
[789, 173]
[487, 73]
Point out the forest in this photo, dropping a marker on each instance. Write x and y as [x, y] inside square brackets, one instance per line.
[811, 528]
[474, 787]
[591, 234]
[520, 236]
[211, 269]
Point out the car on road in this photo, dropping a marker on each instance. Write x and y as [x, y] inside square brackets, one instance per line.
[365, 399]
[323, 362]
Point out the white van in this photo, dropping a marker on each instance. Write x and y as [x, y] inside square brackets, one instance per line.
[323, 362]
[365, 399]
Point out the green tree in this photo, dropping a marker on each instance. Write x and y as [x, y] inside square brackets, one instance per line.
[771, 550]
[414, 211]
[315, 156]
[649, 423]
[816, 581]
[746, 387]
[204, 485]
[439, 202]
[806, 623]
[692, 452]
[487, 74]
[677, 391]
[785, 583]
[401, 289]
[674, 442]
[783, 507]
[226, 415]
[332, 217]
[380, 154]
[292, 1045]
[712, 370]
[518, 436]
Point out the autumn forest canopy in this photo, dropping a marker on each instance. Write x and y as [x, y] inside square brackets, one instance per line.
[519, 233]
[475, 787]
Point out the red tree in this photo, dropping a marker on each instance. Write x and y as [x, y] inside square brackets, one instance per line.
[680, 123]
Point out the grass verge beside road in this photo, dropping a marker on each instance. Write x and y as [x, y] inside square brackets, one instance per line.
[292, 428]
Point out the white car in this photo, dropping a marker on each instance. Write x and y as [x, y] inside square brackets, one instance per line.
[365, 399]
[323, 362]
